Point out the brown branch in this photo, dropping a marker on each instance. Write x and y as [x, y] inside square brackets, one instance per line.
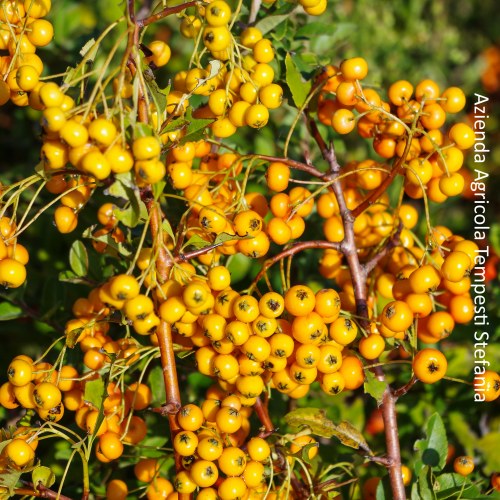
[168, 11]
[348, 244]
[405, 388]
[392, 444]
[184, 256]
[263, 415]
[163, 260]
[173, 397]
[39, 492]
[167, 356]
[302, 493]
[369, 266]
[385, 461]
[358, 277]
[131, 10]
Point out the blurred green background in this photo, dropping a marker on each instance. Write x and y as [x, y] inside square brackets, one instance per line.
[453, 42]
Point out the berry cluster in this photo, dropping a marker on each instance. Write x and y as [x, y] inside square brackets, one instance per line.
[240, 86]
[13, 256]
[408, 125]
[22, 31]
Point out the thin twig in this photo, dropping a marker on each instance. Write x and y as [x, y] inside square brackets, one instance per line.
[405, 388]
[167, 11]
[294, 249]
[369, 266]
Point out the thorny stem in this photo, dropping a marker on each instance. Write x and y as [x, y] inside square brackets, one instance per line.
[358, 276]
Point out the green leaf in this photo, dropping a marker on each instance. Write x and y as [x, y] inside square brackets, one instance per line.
[267, 24]
[433, 450]
[316, 420]
[176, 124]
[155, 381]
[154, 443]
[315, 28]
[133, 214]
[142, 130]
[304, 452]
[70, 277]
[158, 188]
[495, 237]
[182, 354]
[283, 31]
[414, 492]
[10, 311]
[40, 170]
[223, 237]
[78, 258]
[489, 445]
[9, 480]
[72, 337]
[165, 226]
[196, 128]
[43, 476]
[238, 266]
[383, 491]
[125, 187]
[424, 485]
[159, 95]
[122, 185]
[196, 241]
[461, 429]
[448, 485]
[374, 387]
[298, 88]
[94, 391]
